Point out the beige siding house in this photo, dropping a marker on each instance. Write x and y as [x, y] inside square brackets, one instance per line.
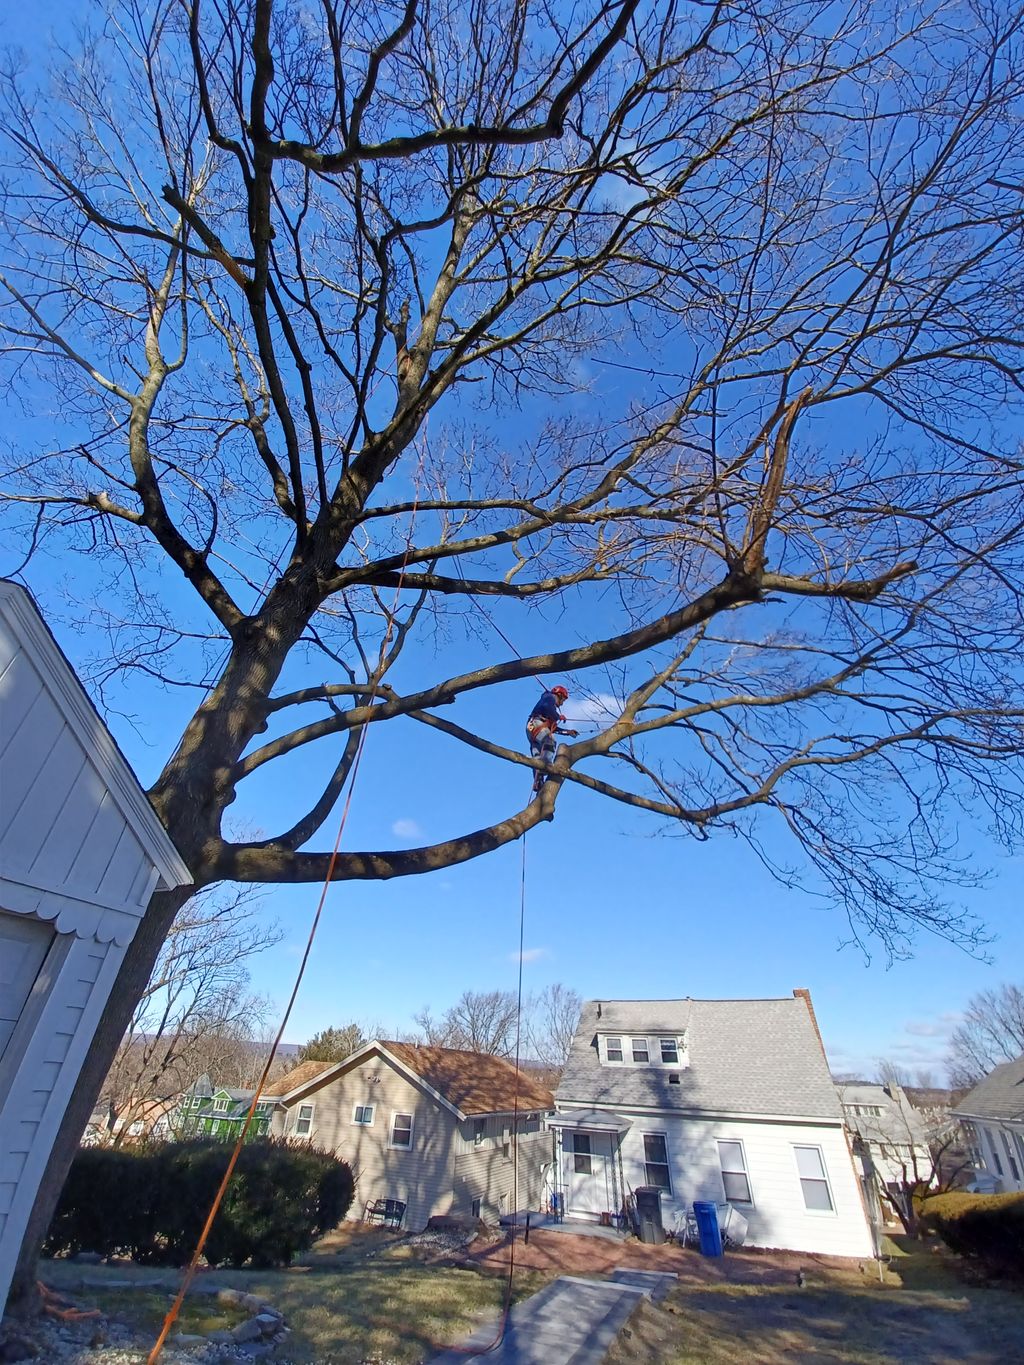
[430, 1126]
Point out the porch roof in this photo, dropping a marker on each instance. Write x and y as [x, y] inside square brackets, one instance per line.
[591, 1120]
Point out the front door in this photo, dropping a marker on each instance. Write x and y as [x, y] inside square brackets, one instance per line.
[586, 1172]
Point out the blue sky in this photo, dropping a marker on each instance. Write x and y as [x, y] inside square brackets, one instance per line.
[615, 907]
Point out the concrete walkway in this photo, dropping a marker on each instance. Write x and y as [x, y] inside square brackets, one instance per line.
[572, 1321]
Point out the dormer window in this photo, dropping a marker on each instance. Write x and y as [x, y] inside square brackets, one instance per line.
[613, 1049]
[641, 1052]
[669, 1052]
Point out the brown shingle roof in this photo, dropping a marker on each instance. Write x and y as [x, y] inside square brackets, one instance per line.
[472, 1081]
[298, 1076]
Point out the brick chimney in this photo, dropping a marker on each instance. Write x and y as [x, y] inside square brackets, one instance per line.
[803, 994]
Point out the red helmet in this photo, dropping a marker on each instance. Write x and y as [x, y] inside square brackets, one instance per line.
[559, 691]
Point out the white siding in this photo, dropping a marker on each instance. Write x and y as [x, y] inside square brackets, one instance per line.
[1003, 1152]
[81, 851]
[777, 1217]
[36, 1083]
[61, 829]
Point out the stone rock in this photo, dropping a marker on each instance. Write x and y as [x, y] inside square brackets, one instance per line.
[15, 1347]
[269, 1322]
[220, 1337]
[187, 1339]
[250, 1330]
[231, 1296]
[252, 1302]
[87, 1258]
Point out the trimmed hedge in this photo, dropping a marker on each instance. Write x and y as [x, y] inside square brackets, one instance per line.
[150, 1202]
[985, 1228]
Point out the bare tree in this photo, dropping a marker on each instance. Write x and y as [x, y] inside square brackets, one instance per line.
[197, 1014]
[892, 1073]
[908, 1152]
[751, 275]
[480, 1021]
[551, 1021]
[991, 1031]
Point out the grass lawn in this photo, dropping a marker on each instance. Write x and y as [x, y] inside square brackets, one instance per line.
[352, 1301]
[922, 1313]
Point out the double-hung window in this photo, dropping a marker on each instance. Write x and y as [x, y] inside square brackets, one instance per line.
[669, 1052]
[479, 1130]
[220, 1106]
[810, 1165]
[401, 1131]
[613, 1049]
[656, 1161]
[304, 1121]
[735, 1181]
[1011, 1156]
[363, 1114]
[641, 1052]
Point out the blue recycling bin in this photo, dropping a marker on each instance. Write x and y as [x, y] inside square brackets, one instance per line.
[557, 1206]
[708, 1230]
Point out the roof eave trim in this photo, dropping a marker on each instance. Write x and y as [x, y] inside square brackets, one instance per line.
[354, 1058]
[749, 1115]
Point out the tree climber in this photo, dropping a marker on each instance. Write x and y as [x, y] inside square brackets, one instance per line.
[545, 722]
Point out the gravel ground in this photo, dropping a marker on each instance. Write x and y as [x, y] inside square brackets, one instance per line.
[104, 1341]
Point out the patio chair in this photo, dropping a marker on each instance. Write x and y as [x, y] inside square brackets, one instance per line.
[388, 1212]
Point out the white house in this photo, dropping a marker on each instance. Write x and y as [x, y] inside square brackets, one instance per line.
[992, 1115]
[81, 852]
[724, 1100]
[891, 1139]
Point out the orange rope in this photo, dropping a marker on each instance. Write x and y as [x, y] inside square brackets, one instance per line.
[190, 1271]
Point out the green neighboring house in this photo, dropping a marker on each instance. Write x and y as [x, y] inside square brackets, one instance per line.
[219, 1113]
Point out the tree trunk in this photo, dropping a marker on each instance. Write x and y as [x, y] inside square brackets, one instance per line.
[131, 982]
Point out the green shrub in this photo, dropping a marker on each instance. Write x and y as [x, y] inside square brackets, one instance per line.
[150, 1202]
[984, 1228]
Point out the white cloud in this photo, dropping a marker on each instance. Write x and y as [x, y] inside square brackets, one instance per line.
[529, 955]
[600, 709]
[407, 829]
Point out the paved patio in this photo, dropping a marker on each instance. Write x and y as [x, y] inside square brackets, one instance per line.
[576, 1227]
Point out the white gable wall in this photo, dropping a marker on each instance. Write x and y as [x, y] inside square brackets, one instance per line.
[81, 852]
[778, 1216]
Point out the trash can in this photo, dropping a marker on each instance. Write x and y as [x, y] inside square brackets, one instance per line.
[648, 1214]
[558, 1206]
[710, 1235]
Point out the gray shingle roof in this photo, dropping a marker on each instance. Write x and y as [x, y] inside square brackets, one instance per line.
[999, 1096]
[745, 1057]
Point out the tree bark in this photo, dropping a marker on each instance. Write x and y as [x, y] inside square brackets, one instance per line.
[23, 1299]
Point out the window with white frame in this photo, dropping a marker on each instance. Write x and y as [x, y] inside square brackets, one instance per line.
[993, 1148]
[733, 1161]
[1010, 1155]
[669, 1052]
[810, 1165]
[613, 1049]
[220, 1106]
[304, 1120]
[656, 1161]
[582, 1162]
[641, 1050]
[401, 1131]
[363, 1115]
